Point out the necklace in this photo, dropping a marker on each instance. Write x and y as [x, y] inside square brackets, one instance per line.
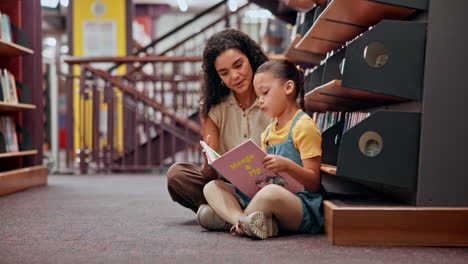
[242, 106]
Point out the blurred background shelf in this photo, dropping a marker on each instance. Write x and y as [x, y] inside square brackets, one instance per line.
[12, 49]
[9, 107]
[17, 154]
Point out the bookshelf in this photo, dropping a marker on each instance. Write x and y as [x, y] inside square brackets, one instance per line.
[18, 153]
[416, 102]
[11, 107]
[350, 80]
[296, 55]
[340, 98]
[342, 20]
[12, 49]
[21, 144]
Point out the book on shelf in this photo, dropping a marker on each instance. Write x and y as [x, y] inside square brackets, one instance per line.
[8, 91]
[327, 119]
[243, 167]
[8, 130]
[354, 118]
[5, 28]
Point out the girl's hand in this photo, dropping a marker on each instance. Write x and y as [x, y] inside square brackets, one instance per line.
[276, 163]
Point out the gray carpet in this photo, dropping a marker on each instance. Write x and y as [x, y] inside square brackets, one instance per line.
[131, 219]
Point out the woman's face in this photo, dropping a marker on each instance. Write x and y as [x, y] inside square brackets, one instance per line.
[234, 69]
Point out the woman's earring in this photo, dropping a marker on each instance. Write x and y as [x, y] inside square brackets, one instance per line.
[222, 83]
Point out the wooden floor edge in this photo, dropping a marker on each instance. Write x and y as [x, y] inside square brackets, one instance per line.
[21, 179]
[396, 226]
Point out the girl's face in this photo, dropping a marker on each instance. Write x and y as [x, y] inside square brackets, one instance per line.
[234, 69]
[273, 93]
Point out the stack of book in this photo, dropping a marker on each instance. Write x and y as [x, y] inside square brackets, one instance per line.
[328, 119]
[8, 91]
[352, 119]
[8, 131]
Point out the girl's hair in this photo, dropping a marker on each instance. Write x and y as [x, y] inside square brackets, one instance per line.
[213, 91]
[286, 70]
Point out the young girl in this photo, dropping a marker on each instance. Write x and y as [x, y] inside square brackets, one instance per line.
[293, 145]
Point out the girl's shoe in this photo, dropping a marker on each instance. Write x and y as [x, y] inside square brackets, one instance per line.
[256, 225]
[209, 219]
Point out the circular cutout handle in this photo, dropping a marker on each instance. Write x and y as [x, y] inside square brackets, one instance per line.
[370, 143]
[375, 54]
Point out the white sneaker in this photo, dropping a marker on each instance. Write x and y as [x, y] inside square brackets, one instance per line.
[256, 225]
[209, 219]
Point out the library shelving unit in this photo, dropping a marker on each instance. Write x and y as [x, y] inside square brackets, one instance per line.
[304, 20]
[23, 169]
[402, 61]
[297, 55]
[342, 20]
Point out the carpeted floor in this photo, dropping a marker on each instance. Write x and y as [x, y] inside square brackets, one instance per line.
[131, 219]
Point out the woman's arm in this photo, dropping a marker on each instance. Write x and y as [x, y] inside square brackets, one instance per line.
[210, 134]
[309, 175]
[209, 128]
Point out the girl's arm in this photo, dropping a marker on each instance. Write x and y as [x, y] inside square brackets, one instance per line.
[210, 134]
[309, 175]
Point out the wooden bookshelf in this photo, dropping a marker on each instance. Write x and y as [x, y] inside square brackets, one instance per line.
[12, 49]
[296, 55]
[20, 179]
[357, 223]
[17, 154]
[330, 169]
[342, 20]
[339, 98]
[434, 211]
[23, 169]
[9, 107]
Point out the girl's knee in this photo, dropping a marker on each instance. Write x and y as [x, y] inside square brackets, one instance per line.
[213, 185]
[271, 192]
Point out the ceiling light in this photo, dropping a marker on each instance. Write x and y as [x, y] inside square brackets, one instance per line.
[64, 2]
[232, 4]
[183, 5]
[50, 3]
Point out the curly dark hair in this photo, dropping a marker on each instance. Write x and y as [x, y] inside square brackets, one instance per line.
[212, 90]
[286, 70]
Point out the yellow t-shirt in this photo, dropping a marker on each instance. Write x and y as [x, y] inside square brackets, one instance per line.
[305, 134]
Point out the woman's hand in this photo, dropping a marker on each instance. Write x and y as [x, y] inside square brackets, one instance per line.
[276, 163]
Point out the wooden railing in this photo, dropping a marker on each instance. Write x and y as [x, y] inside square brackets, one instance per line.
[146, 116]
[137, 121]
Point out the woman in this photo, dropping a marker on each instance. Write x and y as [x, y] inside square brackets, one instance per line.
[230, 114]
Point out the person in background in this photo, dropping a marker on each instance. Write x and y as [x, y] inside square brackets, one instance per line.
[293, 145]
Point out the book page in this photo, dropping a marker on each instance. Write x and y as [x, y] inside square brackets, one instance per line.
[211, 154]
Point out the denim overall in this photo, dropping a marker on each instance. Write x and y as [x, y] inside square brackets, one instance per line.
[312, 217]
